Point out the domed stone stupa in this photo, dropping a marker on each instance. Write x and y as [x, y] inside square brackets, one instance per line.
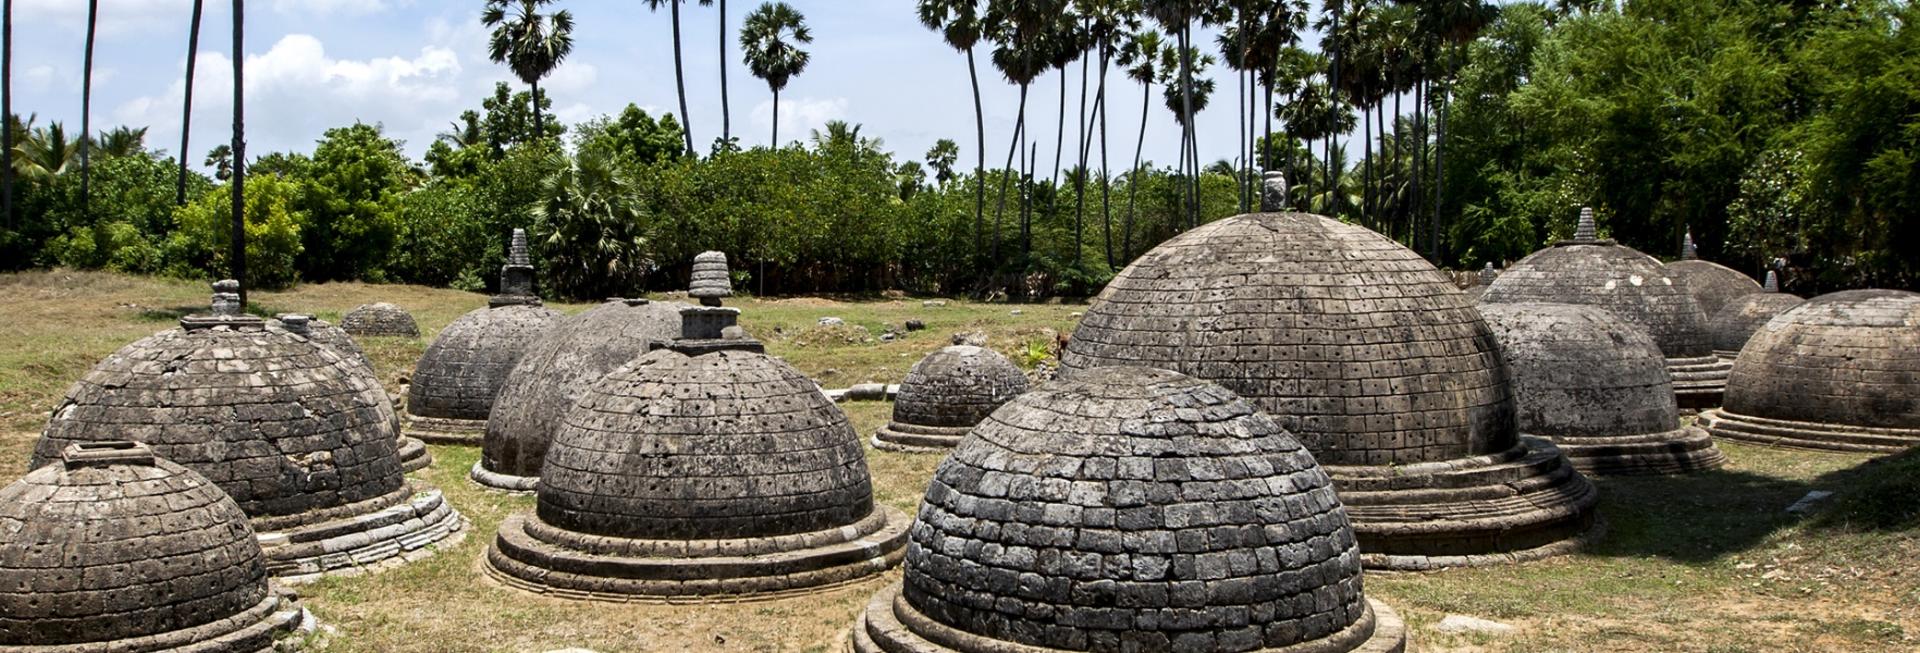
[380, 319]
[302, 446]
[1712, 285]
[555, 370]
[1740, 318]
[108, 548]
[1839, 372]
[1129, 509]
[413, 453]
[1597, 386]
[456, 380]
[704, 470]
[1373, 359]
[945, 394]
[1634, 286]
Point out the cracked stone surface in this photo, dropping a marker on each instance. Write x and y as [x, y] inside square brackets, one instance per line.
[558, 367]
[380, 319]
[1711, 284]
[111, 547]
[1740, 318]
[463, 370]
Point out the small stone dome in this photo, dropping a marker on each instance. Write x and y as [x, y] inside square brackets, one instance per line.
[109, 548]
[1129, 509]
[380, 319]
[945, 394]
[1841, 371]
[1739, 319]
[678, 475]
[456, 380]
[1711, 284]
[1597, 386]
[556, 368]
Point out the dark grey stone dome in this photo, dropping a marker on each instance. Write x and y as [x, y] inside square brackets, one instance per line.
[946, 393]
[110, 546]
[1841, 371]
[1129, 509]
[1711, 284]
[463, 369]
[1340, 333]
[1597, 386]
[380, 319]
[1740, 318]
[555, 369]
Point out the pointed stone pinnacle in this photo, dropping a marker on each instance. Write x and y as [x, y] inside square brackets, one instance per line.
[517, 249]
[1773, 281]
[1687, 251]
[1585, 231]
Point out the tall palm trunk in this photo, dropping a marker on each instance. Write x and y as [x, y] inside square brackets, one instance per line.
[1000, 209]
[1133, 178]
[980, 154]
[239, 240]
[680, 79]
[539, 131]
[6, 111]
[1080, 182]
[186, 110]
[726, 115]
[1060, 129]
[1186, 127]
[776, 120]
[1366, 169]
[86, 112]
[1106, 183]
[1240, 111]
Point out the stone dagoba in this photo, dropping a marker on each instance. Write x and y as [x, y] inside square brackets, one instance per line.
[301, 445]
[705, 470]
[413, 453]
[1839, 372]
[1632, 285]
[110, 548]
[1597, 386]
[550, 377]
[1373, 359]
[380, 319]
[456, 380]
[711, 281]
[1129, 509]
[1740, 318]
[1712, 285]
[945, 394]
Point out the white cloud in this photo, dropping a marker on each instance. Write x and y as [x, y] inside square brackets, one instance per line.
[40, 78]
[799, 116]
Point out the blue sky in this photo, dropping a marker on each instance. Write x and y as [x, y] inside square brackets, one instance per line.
[413, 65]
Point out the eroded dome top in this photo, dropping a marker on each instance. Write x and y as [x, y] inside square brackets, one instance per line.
[380, 319]
[1848, 357]
[463, 369]
[1739, 319]
[1581, 371]
[1712, 284]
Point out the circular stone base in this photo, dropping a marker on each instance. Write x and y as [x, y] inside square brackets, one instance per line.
[913, 438]
[358, 535]
[1683, 450]
[1729, 425]
[414, 455]
[1521, 504]
[445, 430]
[493, 480]
[1699, 382]
[251, 631]
[532, 555]
[891, 625]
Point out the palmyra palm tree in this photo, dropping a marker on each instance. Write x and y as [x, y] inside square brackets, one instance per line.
[960, 24]
[770, 40]
[239, 191]
[1141, 57]
[1177, 17]
[186, 110]
[121, 141]
[679, 71]
[86, 107]
[1017, 28]
[1108, 23]
[726, 115]
[532, 44]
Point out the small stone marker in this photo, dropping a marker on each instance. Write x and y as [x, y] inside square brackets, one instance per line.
[1459, 623]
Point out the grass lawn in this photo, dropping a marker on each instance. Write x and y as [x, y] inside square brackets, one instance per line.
[1708, 563]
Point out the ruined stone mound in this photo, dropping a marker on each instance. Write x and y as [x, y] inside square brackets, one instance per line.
[945, 394]
[679, 477]
[556, 368]
[413, 453]
[303, 447]
[1372, 358]
[1596, 386]
[1129, 509]
[1740, 318]
[108, 548]
[380, 319]
[1632, 285]
[1712, 285]
[1840, 372]
[456, 380]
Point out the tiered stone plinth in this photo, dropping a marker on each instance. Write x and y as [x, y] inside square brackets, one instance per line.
[1699, 381]
[945, 394]
[1683, 450]
[1726, 424]
[914, 438]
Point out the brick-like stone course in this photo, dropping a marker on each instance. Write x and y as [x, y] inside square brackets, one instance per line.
[462, 371]
[380, 319]
[1739, 319]
[945, 394]
[413, 453]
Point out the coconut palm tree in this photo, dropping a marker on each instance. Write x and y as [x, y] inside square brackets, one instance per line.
[186, 110]
[726, 116]
[1141, 56]
[959, 23]
[1017, 29]
[122, 141]
[239, 191]
[770, 41]
[530, 43]
[86, 106]
[42, 154]
[679, 71]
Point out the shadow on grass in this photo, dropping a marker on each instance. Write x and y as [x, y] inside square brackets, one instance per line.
[1882, 494]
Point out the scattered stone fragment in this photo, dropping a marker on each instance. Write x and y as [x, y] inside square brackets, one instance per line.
[1459, 623]
[933, 303]
[915, 325]
[945, 395]
[1807, 503]
[867, 392]
[456, 380]
[970, 338]
[831, 321]
[380, 319]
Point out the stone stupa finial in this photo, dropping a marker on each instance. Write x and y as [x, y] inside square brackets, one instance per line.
[707, 329]
[711, 281]
[226, 297]
[1273, 191]
[1585, 231]
[516, 277]
[226, 310]
[1687, 250]
[1488, 274]
[1773, 281]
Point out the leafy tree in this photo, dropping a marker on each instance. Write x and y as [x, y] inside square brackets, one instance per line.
[347, 195]
[634, 138]
[941, 158]
[532, 44]
[591, 227]
[202, 245]
[771, 40]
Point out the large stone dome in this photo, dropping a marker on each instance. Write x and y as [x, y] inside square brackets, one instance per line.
[1597, 386]
[1841, 371]
[680, 475]
[1632, 285]
[413, 453]
[456, 380]
[1739, 319]
[1367, 354]
[109, 548]
[945, 394]
[1089, 514]
[380, 319]
[556, 368]
[1711, 284]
